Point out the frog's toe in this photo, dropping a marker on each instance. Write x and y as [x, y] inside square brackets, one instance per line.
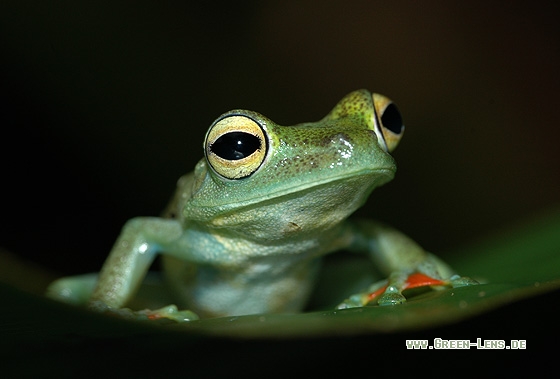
[461, 281]
[363, 298]
[170, 312]
[381, 293]
[354, 301]
[391, 296]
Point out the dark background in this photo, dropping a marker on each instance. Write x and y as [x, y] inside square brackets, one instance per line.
[105, 104]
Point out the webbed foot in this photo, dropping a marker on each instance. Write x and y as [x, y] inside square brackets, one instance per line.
[169, 312]
[389, 292]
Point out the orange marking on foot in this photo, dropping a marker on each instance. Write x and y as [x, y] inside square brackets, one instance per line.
[154, 316]
[421, 280]
[374, 294]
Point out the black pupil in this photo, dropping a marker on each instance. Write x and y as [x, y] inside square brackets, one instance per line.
[392, 119]
[235, 145]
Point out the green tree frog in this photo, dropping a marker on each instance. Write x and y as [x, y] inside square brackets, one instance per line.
[246, 231]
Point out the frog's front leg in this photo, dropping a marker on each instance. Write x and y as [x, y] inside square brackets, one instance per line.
[405, 262]
[125, 268]
[122, 273]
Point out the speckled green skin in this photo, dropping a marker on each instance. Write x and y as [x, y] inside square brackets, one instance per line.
[253, 245]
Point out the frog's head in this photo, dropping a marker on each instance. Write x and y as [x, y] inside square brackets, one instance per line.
[269, 181]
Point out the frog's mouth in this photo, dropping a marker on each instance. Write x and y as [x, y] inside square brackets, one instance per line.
[335, 197]
[348, 183]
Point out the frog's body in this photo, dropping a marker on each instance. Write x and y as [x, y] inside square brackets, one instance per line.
[246, 230]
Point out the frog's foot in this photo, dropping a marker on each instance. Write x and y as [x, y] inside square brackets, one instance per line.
[457, 281]
[392, 293]
[169, 312]
[389, 292]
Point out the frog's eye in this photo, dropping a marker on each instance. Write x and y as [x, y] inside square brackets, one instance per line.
[235, 146]
[388, 122]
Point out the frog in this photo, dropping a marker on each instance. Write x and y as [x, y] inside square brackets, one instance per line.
[247, 230]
